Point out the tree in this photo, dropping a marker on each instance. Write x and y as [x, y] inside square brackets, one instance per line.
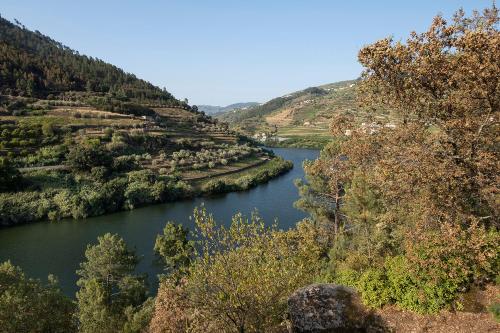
[109, 290]
[174, 247]
[26, 305]
[10, 177]
[241, 277]
[86, 156]
[426, 191]
[35, 65]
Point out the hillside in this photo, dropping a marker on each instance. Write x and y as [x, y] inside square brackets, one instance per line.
[34, 65]
[80, 137]
[211, 109]
[301, 118]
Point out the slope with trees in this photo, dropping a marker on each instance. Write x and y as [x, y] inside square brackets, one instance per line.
[413, 210]
[80, 137]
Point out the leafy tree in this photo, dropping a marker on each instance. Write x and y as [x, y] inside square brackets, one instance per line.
[10, 177]
[241, 277]
[174, 247]
[26, 305]
[109, 291]
[86, 156]
[426, 191]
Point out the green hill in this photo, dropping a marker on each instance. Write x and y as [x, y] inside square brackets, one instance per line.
[34, 65]
[303, 113]
[80, 137]
[302, 118]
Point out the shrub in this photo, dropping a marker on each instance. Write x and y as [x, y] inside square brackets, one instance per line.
[241, 277]
[374, 288]
[494, 309]
[215, 187]
[10, 177]
[99, 173]
[138, 194]
[85, 157]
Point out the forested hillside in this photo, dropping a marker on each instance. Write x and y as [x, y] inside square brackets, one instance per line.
[34, 65]
[80, 137]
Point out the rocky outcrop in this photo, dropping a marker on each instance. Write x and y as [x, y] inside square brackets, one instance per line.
[325, 308]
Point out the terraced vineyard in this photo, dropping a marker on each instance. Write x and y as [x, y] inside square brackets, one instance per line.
[80, 137]
[302, 118]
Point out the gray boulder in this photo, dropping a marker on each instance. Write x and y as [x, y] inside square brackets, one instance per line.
[325, 308]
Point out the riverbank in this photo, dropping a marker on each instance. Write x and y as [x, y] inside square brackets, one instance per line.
[138, 189]
[44, 247]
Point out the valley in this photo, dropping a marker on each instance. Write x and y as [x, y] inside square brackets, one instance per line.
[363, 205]
[95, 140]
[302, 118]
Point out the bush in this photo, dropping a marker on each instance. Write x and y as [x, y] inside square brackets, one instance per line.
[494, 309]
[243, 273]
[99, 173]
[125, 163]
[215, 187]
[85, 157]
[374, 288]
[10, 177]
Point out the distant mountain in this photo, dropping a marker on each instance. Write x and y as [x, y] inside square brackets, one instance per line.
[210, 109]
[304, 114]
[307, 110]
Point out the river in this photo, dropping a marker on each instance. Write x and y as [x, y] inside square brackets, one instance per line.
[57, 248]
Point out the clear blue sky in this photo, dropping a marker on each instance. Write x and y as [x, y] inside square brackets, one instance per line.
[224, 51]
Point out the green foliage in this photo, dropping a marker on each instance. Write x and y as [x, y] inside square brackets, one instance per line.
[174, 247]
[494, 309]
[26, 305]
[269, 170]
[215, 187]
[420, 293]
[97, 195]
[36, 65]
[243, 274]
[10, 177]
[374, 287]
[110, 257]
[138, 318]
[86, 156]
[46, 156]
[109, 290]
[407, 284]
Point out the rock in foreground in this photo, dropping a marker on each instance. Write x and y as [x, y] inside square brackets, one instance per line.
[324, 308]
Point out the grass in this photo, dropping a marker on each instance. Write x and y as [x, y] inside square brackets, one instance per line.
[220, 169]
[291, 131]
[247, 172]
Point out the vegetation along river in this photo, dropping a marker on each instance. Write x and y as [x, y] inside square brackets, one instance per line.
[57, 248]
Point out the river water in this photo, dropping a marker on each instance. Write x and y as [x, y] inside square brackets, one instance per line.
[57, 248]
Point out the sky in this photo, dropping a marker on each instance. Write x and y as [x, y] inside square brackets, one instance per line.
[220, 52]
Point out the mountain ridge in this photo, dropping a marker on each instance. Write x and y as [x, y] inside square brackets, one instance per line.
[215, 109]
[34, 65]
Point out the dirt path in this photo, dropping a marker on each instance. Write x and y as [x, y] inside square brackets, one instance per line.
[229, 172]
[46, 168]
